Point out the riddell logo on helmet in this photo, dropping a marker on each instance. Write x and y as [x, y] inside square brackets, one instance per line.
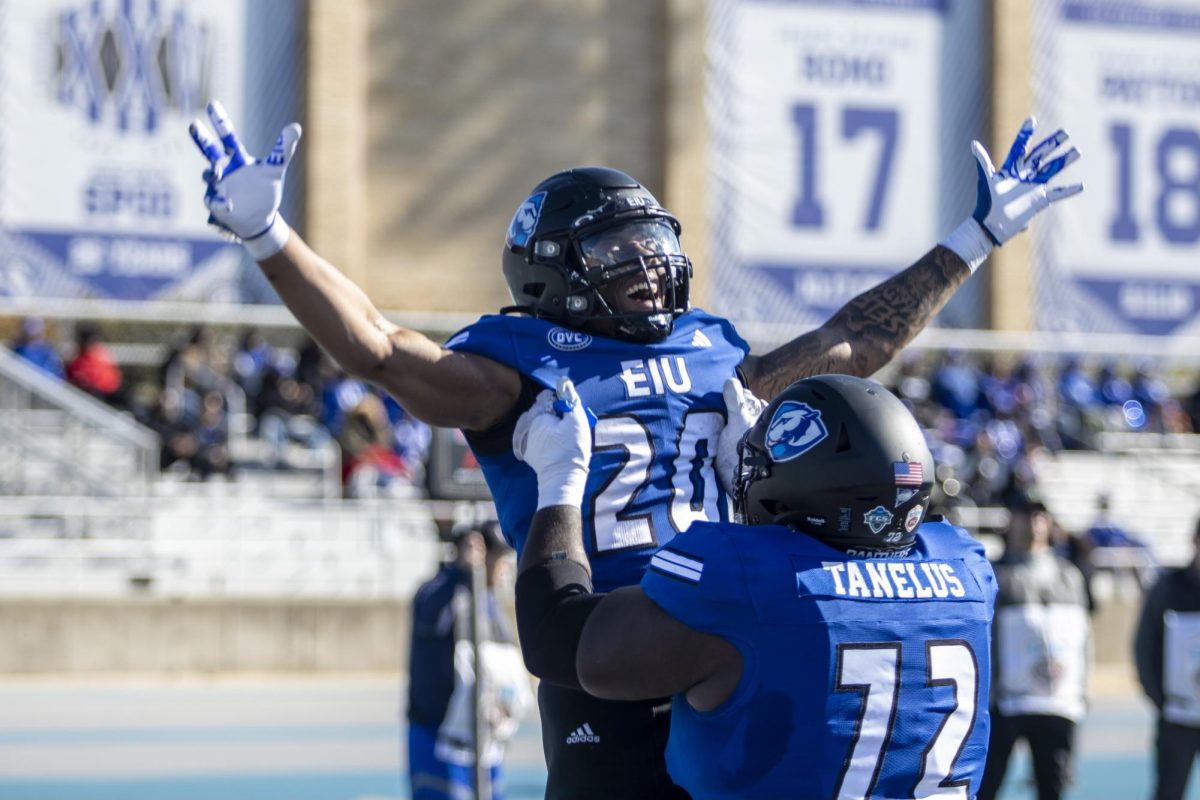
[568, 340]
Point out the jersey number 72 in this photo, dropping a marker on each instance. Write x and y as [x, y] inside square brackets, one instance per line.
[873, 670]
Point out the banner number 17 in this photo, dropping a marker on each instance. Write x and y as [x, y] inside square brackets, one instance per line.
[808, 210]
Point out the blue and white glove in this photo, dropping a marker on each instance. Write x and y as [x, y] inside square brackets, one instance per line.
[1009, 198]
[742, 410]
[554, 438]
[244, 193]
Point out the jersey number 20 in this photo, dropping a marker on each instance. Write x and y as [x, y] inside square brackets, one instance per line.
[873, 670]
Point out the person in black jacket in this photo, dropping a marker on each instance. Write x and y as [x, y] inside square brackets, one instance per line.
[1167, 653]
[441, 673]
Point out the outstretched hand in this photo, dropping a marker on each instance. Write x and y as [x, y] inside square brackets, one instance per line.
[1009, 198]
[244, 192]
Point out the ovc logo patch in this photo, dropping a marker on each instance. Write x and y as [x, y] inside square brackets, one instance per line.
[524, 222]
[567, 339]
[795, 429]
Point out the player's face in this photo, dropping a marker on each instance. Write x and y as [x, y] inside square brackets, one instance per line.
[636, 253]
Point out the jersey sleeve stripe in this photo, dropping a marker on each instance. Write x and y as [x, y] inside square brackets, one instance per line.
[668, 568]
[675, 557]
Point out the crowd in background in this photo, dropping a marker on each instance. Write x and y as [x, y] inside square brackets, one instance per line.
[286, 399]
[986, 416]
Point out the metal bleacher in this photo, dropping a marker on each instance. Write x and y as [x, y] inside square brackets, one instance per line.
[1152, 482]
[85, 511]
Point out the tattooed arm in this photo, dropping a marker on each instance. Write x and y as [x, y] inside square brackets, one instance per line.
[868, 331]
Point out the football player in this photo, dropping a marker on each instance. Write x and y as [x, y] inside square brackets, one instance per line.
[601, 285]
[834, 647]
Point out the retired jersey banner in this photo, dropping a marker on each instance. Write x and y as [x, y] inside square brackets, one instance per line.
[1124, 78]
[100, 192]
[826, 154]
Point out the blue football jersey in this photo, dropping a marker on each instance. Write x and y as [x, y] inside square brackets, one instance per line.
[658, 410]
[862, 677]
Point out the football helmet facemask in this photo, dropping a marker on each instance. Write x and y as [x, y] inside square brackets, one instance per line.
[841, 459]
[592, 248]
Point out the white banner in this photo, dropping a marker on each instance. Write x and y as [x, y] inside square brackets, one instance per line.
[1123, 76]
[1043, 653]
[825, 156]
[100, 192]
[1181, 667]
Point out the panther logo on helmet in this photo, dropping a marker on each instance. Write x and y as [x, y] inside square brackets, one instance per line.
[524, 222]
[795, 429]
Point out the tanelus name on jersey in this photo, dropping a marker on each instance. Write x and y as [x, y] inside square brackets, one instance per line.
[884, 580]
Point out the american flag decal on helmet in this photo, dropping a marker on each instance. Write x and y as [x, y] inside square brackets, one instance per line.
[908, 473]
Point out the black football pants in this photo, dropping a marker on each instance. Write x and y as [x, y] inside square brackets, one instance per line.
[1051, 741]
[1176, 750]
[604, 749]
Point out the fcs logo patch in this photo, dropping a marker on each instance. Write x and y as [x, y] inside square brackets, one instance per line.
[795, 429]
[525, 220]
[877, 519]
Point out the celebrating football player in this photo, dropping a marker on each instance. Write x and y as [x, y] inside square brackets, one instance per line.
[836, 648]
[600, 283]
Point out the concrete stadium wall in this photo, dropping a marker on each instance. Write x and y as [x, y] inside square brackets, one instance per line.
[166, 636]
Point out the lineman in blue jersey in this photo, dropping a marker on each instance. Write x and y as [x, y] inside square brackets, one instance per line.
[839, 648]
[595, 265]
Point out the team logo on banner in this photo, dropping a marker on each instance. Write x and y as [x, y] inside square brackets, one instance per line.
[131, 62]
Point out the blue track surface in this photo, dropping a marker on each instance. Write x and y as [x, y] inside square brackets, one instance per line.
[340, 740]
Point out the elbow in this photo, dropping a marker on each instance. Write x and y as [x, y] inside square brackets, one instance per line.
[601, 675]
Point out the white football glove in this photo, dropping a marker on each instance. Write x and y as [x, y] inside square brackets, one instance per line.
[742, 411]
[554, 438]
[244, 193]
[1008, 199]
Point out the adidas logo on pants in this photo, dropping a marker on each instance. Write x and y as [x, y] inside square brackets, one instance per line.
[583, 735]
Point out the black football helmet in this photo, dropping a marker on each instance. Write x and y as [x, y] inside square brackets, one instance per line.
[841, 459]
[593, 244]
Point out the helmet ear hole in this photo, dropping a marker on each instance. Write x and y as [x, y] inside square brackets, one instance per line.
[534, 289]
[774, 507]
[843, 442]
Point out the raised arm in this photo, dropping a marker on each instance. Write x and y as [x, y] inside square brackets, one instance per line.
[436, 385]
[868, 331]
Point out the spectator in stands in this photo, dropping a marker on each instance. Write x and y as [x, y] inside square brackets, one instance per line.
[441, 673]
[194, 369]
[178, 443]
[1040, 650]
[410, 438]
[370, 467]
[288, 411]
[1153, 395]
[956, 384]
[1105, 531]
[253, 359]
[93, 369]
[31, 345]
[212, 438]
[1078, 399]
[1167, 653]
